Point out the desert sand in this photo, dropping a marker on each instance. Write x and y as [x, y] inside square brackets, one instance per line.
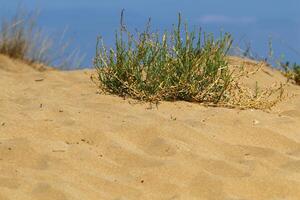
[62, 140]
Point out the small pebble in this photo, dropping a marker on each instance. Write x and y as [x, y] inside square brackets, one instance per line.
[255, 122]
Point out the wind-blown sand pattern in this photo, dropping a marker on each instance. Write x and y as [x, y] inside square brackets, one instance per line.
[60, 140]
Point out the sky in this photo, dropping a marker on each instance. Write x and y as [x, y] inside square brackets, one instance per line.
[250, 22]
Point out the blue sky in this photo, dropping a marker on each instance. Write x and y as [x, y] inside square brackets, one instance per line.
[249, 21]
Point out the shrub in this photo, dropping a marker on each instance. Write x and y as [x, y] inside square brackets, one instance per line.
[21, 38]
[292, 72]
[166, 68]
[180, 65]
[296, 70]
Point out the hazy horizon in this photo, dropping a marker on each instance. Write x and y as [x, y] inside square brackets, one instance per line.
[249, 22]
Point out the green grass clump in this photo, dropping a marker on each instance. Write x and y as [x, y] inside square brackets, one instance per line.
[297, 74]
[292, 72]
[177, 65]
[168, 67]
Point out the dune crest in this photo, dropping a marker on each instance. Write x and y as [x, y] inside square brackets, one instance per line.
[61, 140]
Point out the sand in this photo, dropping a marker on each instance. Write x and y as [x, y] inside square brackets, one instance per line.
[62, 140]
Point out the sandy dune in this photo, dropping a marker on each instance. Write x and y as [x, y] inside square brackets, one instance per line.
[61, 140]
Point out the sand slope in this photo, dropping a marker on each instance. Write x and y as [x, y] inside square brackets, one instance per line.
[61, 140]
